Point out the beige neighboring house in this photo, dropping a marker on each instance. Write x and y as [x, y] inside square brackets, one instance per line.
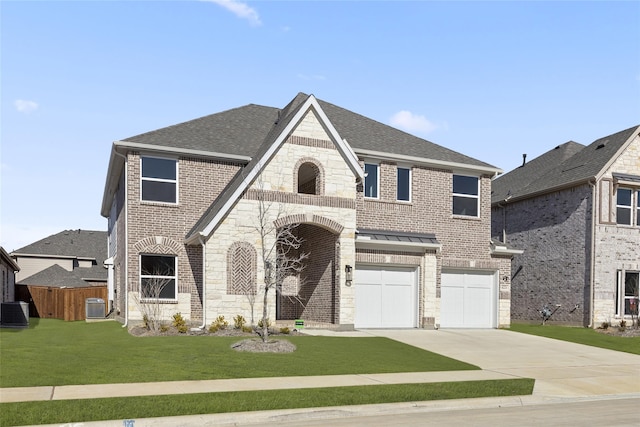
[8, 269]
[397, 228]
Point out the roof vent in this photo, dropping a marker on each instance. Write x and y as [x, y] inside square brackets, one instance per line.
[602, 145]
[524, 159]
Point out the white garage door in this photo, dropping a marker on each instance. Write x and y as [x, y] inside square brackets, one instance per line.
[468, 300]
[386, 297]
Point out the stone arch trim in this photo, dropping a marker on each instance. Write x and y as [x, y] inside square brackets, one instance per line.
[310, 218]
[319, 177]
[158, 245]
[242, 266]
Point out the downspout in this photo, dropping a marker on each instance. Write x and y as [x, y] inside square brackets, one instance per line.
[126, 237]
[204, 282]
[592, 184]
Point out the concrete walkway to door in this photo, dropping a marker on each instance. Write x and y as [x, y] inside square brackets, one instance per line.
[560, 368]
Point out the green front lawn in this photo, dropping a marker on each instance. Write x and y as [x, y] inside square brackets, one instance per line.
[72, 411]
[54, 352]
[585, 336]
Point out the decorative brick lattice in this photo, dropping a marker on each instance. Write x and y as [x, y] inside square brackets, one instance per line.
[241, 269]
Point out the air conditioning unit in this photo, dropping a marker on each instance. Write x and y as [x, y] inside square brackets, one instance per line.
[95, 308]
[15, 314]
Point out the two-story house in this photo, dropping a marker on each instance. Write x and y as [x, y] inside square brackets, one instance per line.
[396, 228]
[575, 211]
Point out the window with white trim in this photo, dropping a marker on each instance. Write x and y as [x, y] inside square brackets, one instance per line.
[158, 280]
[466, 195]
[371, 180]
[623, 206]
[403, 187]
[159, 180]
[638, 207]
[627, 293]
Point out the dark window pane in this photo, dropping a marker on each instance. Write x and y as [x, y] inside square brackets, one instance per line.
[158, 168]
[624, 197]
[371, 180]
[158, 288]
[159, 191]
[465, 185]
[403, 184]
[465, 206]
[623, 216]
[157, 265]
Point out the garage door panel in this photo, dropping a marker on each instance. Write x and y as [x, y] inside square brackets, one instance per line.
[468, 300]
[385, 297]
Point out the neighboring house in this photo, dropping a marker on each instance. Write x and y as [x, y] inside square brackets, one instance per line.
[59, 272]
[575, 211]
[8, 269]
[397, 228]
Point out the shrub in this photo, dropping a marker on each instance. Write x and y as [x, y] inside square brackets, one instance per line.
[218, 324]
[247, 329]
[261, 323]
[239, 322]
[623, 324]
[164, 328]
[285, 331]
[179, 323]
[605, 325]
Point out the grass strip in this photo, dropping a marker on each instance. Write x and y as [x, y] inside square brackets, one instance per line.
[586, 336]
[54, 352]
[124, 408]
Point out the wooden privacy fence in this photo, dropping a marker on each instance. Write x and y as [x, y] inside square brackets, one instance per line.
[58, 303]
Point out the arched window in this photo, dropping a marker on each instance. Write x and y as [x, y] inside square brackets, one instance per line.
[309, 178]
[241, 269]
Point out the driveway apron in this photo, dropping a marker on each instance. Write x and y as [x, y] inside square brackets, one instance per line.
[561, 369]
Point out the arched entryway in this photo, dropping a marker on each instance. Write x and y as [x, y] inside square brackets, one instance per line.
[314, 293]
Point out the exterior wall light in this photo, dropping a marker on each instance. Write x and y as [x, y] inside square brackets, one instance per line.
[348, 274]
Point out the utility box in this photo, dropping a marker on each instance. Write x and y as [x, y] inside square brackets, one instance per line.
[15, 314]
[299, 324]
[95, 308]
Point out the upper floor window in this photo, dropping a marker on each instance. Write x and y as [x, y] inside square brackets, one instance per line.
[638, 207]
[158, 280]
[403, 191]
[371, 180]
[623, 206]
[159, 180]
[309, 179]
[466, 195]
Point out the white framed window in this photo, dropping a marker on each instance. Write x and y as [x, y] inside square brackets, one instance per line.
[627, 293]
[466, 195]
[403, 187]
[623, 206]
[371, 180]
[159, 180]
[638, 207]
[158, 279]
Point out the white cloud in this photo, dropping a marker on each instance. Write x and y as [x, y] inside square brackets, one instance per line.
[24, 106]
[241, 10]
[410, 122]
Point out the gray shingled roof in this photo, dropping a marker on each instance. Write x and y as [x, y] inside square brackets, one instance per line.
[565, 165]
[56, 276]
[241, 131]
[70, 243]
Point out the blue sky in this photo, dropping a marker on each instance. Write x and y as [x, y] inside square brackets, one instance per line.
[492, 80]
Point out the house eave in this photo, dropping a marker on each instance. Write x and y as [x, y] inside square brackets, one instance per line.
[421, 161]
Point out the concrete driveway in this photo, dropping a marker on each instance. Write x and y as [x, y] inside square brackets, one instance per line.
[561, 369]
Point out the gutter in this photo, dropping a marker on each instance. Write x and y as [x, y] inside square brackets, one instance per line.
[204, 282]
[592, 260]
[126, 239]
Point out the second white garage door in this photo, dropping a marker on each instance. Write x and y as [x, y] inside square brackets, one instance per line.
[468, 300]
[386, 297]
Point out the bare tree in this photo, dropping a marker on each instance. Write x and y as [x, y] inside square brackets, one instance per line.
[155, 281]
[281, 253]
